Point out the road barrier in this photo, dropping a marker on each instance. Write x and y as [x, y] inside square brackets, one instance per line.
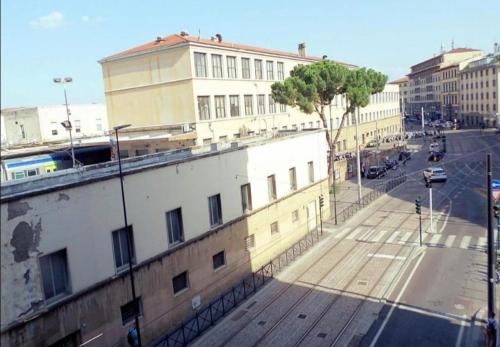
[193, 327]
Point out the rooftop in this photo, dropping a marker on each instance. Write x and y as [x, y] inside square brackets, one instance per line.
[179, 39]
[401, 80]
[452, 51]
[64, 179]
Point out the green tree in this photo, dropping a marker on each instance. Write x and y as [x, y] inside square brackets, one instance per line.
[312, 88]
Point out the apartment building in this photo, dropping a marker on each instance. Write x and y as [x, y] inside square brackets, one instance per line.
[42, 124]
[220, 90]
[404, 93]
[64, 254]
[425, 84]
[479, 91]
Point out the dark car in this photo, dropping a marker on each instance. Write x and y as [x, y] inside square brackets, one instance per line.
[376, 171]
[389, 164]
[404, 156]
[436, 156]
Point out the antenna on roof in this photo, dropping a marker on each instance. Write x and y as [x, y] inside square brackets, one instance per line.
[199, 34]
[442, 49]
[452, 44]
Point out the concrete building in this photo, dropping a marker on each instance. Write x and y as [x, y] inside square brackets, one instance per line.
[425, 80]
[220, 91]
[479, 91]
[404, 93]
[63, 256]
[42, 124]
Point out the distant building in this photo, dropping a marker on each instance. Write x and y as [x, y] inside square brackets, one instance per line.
[220, 91]
[425, 81]
[404, 93]
[479, 91]
[199, 220]
[25, 126]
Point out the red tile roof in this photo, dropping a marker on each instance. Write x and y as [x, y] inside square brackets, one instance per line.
[401, 80]
[176, 39]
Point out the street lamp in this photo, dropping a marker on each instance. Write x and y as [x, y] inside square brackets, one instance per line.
[332, 165]
[129, 241]
[67, 124]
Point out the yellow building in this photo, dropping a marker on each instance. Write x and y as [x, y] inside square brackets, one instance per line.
[219, 91]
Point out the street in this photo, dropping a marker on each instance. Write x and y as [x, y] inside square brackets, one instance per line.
[369, 283]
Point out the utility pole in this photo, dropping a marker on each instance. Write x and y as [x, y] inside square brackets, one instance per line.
[423, 122]
[358, 160]
[418, 208]
[428, 184]
[332, 163]
[321, 203]
[491, 248]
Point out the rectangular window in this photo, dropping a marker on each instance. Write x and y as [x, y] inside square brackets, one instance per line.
[200, 64]
[270, 70]
[271, 187]
[231, 67]
[204, 107]
[310, 170]
[258, 69]
[219, 260]
[272, 104]
[295, 216]
[120, 247]
[283, 107]
[180, 283]
[54, 269]
[248, 105]
[261, 107]
[274, 229]
[175, 228]
[215, 210]
[53, 126]
[77, 126]
[293, 179]
[245, 68]
[124, 153]
[249, 242]
[130, 310]
[217, 66]
[220, 106]
[246, 198]
[234, 105]
[281, 71]
[139, 152]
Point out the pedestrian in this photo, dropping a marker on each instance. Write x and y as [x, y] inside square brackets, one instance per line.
[491, 331]
[132, 337]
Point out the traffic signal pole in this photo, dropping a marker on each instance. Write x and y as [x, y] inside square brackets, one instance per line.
[491, 248]
[418, 210]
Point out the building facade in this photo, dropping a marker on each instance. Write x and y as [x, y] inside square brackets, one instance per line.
[220, 90]
[42, 124]
[479, 91]
[64, 254]
[425, 81]
[404, 93]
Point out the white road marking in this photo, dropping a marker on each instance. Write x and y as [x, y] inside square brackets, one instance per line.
[449, 241]
[386, 256]
[342, 233]
[366, 235]
[380, 235]
[354, 233]
[461, 332]
[384, 323]
[465, 242]
[435, 239]
[405, 237]
[481, 242]
[393, 237]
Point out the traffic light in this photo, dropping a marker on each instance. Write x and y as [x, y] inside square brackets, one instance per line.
[418, 206]
[428, 183]
[321, 201]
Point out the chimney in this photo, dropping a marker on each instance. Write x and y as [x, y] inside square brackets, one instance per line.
[219, 37]
[159, 39]
[184, 33]
[302, 49]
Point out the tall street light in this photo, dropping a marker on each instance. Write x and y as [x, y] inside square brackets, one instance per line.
[332, 165]
[129, 241]
[67, 124]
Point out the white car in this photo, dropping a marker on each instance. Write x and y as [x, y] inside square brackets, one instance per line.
[435, 174]
[434, 147]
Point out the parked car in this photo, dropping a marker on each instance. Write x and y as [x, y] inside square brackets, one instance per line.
[436, 156]
[435, 173]
[448, 124]
[371, 144]
[390, 164]
[376, 171]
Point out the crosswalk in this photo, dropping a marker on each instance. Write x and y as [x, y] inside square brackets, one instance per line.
[371, 234]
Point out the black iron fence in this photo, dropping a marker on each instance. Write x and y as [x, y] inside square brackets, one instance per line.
[367, 199]
[218, 308]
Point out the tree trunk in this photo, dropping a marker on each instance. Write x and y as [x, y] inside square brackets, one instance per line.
[333, 144]
[328, 141]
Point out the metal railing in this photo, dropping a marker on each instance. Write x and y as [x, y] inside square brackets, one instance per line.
[367, 199]
[196, 325]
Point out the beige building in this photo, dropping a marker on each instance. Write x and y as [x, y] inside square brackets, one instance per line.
[449, 91]
[479, 91]
[221, 91]
[64, 255]
[425, 80]
[404, 93]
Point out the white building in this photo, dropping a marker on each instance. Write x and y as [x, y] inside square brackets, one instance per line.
[199, 222]
[42, 124]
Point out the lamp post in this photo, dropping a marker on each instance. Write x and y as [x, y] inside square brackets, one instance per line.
[129, 241]
[332, 161]
[67, 124]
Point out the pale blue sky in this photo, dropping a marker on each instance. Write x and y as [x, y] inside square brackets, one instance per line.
[44, 39]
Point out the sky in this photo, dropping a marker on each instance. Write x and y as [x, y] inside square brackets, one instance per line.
[41, 40]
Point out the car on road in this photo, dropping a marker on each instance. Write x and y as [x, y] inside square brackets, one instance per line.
[434, 147]
[404, 156]
[376, 172]
[436, 156]
[391, 164]
[435, 174]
